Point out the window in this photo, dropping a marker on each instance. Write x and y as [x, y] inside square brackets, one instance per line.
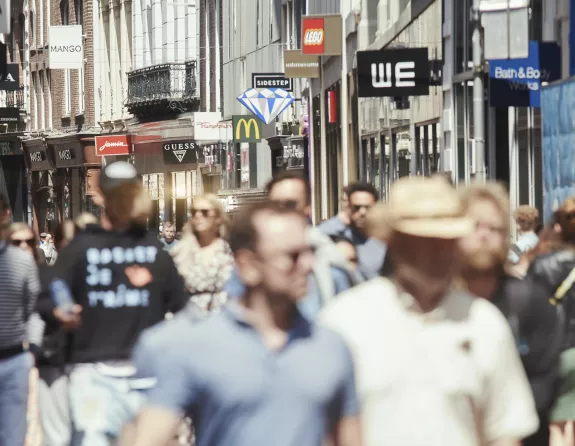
[32, 29]
[41, 22]
[35, 100]
[80, 91]
[79, 9]
[49, 98]
[65, 16]
[258, 24]
[41, 107]
[65, 12]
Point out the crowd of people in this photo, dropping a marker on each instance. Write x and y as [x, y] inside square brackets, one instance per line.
[412, 321]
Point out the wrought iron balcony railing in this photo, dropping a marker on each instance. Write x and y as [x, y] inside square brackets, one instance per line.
[15, 98]
[171, 82]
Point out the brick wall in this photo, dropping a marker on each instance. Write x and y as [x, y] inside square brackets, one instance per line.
[77, 117]
[202, 54]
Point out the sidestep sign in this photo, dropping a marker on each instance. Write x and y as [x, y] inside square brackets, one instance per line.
[246, 128]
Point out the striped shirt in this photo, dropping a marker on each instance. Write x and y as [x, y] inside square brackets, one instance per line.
[19, 289]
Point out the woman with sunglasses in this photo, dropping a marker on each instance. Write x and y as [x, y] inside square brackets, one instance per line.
[203, 256]
[21, 236]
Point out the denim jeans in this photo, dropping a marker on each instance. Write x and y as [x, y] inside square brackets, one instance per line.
[102, 402]
[14, 385]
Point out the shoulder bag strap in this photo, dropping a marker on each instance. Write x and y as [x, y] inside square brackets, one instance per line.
[564, 288]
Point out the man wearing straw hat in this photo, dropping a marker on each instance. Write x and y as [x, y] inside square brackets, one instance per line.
[435, 366]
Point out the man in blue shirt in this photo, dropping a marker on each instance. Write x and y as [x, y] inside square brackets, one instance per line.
[370, 251]
[331, 272]
[257, 373]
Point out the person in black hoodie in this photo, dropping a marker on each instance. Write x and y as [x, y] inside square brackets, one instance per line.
[554, 271]
[533, 320]
[110, 284]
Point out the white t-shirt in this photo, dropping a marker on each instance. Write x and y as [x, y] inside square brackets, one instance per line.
[444, 378]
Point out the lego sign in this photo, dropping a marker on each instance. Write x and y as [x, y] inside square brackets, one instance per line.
[322, 35]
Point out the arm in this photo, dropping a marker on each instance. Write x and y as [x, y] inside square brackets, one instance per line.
[175, 294]
[168, 400]
[347, 427]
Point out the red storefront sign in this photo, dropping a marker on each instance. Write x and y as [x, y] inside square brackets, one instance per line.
[313, 35]
[113, 145]
[332, 110]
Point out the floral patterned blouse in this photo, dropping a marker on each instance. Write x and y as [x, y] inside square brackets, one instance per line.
[205, 272]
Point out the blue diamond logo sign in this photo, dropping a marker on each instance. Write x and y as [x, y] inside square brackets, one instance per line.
[266, 103]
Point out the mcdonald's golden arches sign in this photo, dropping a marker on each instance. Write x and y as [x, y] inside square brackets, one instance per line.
[247, 128]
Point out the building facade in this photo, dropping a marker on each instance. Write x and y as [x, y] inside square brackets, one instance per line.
[162, 96]
[251, 42]
[59, 142]
[401, 136]
[513, 132]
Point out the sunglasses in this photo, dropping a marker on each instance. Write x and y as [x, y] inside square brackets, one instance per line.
[204, 212]
[357, 207]
[18, 242]
[285, 204]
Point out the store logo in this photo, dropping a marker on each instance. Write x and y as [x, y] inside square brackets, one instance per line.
[66, 49]
[313, 37]
[398, 72]
[381, 75]
[246, 129]
[177, 151]
[109, 144]
[65, 155]
[36, 157]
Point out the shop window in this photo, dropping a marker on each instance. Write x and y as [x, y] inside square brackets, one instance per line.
[462, 33]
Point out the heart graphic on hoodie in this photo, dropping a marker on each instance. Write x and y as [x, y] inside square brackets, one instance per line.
[138, 275]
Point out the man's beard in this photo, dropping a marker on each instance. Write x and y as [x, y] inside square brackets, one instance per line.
[483, 260]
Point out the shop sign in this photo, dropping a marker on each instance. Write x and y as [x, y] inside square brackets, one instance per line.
[293, 152]
[9, 148]
[272, 80]
[394, 73]
[68, 155]
[322, 35]
[518, 82]
[65, 47]
[298, 65]
[208, 126]
[111, 145]
[9, 115]
[246, 128]
[38, 158]
[11, 81]
[185, 151]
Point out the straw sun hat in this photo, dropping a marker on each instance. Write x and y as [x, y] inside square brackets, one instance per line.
[422, 207]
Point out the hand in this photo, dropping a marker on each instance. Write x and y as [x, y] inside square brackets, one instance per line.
[69, 321]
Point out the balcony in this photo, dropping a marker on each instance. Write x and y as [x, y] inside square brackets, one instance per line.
[15, 99]
[160, 89]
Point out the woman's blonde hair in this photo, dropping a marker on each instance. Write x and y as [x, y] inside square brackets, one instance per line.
[127, 204]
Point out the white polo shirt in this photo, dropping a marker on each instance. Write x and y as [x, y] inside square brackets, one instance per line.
[444, 378]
